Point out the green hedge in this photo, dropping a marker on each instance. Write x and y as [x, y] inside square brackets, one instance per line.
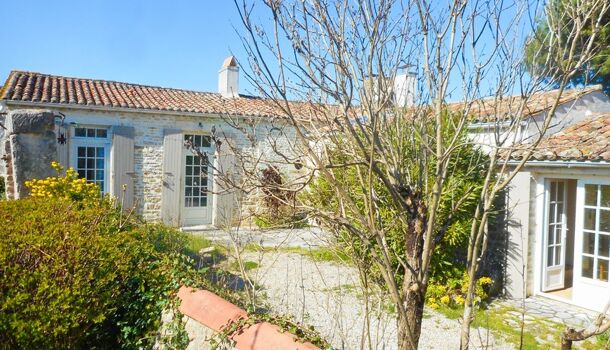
[83, 276]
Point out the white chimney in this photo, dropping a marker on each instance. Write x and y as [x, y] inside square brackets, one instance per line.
[405, 87]
[228, 78]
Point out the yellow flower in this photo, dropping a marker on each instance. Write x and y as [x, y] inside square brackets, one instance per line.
[445, 299]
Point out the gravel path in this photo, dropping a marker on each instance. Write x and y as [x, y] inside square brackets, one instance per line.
[326, 295]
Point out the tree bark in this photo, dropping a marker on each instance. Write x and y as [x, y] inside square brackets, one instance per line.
[414, 291]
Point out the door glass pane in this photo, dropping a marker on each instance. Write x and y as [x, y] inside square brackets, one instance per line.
[588, 243]
[558, 255]
[590, 194]
[603, 245]
[605, 193]
[589, 223]
[604, 220]
[196, 189]
[550, 258]
[553, 191]
[587, 266]
[602, 270]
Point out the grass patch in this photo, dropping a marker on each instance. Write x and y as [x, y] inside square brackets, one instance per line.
[321, 254]
[538, 333]
[248, 265]
[196, 243]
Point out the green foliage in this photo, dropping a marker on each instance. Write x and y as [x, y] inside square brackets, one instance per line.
[452, 291]
[463, 184]
[2, 188]
[74, 276]
[537, 50]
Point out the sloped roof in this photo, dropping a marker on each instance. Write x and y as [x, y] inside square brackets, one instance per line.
[21, 86]
[494, 109]
[588, 140]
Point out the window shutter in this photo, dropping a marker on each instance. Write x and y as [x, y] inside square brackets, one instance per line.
[123, 165]
[225, 195]
[172, 177]
[62, 148]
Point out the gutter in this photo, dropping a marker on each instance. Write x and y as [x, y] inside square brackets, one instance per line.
[562, 164]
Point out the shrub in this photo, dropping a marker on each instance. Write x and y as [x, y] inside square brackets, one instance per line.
[69, 186]
[278, 202]
[74, 276]
[449, 259]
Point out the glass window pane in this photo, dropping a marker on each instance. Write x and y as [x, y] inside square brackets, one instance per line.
[558, 255]
[187, 202]
[90, 151]
[196, 170]
[189, 181]
[587, 266]
[99, 175]
[100, 151]
[82, 151]
[196, 160]
[204, 202]
[602, 270]
[99, 163]
[196, 201]
[189, 160]
[604, 220]
[589, 223]
[553, 191]
[81, 173]
[549, 256]
[551, 239]
[80, 132]
[90, 163]
[101, 133]
[207, 141]
[189, 170]
[590, 194]
[90, 175]
[558, 234]
[90, 132]
[588, 242]
[560, 191]
[101, 185]
[188, 191]
[605, 194]
[603, 245]
[81, 163]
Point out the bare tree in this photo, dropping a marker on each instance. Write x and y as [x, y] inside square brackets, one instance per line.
[343, 61]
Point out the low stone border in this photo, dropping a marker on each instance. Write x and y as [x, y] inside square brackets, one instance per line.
[215, 313]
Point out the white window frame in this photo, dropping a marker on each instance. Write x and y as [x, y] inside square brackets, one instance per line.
[580, 230]
[79, 141]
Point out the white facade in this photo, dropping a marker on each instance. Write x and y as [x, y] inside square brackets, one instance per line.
[562, 253]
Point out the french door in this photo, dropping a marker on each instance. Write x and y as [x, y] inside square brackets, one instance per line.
[555, 236]
[196, 182]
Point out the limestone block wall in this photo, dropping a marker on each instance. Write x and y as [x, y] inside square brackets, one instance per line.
[148, 147]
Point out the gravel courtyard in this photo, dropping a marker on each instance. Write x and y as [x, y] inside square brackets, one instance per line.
[327, 296]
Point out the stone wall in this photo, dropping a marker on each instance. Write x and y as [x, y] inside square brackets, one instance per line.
[29, 147]
[148, 147]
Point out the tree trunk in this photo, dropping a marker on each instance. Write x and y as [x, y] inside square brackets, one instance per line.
[466, 321]
[413, 290]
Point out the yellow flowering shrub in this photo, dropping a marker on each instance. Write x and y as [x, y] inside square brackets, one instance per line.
[452, 292]
[68, 186]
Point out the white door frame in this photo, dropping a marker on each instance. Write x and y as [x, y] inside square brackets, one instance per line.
[192, 216]
[557, 217]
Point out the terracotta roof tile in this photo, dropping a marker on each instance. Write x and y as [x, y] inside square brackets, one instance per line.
[588, 140]
[34, 87]
[503, 108]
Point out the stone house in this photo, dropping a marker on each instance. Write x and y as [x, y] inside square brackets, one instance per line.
[130, 139]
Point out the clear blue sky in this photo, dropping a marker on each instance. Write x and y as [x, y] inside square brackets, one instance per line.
[170, 43]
